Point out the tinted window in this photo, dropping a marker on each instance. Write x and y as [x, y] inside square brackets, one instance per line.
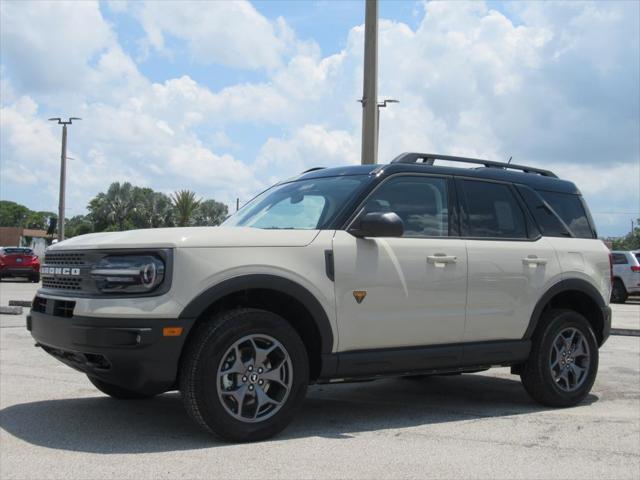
[421, 203]
[619, 259]
[549, 223]
[570, 209]
[493, 211]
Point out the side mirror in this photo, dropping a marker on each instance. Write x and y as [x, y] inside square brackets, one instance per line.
[378, 224]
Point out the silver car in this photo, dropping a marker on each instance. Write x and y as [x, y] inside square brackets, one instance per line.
[626, 275]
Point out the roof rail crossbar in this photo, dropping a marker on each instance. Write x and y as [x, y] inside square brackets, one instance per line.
[430, 158]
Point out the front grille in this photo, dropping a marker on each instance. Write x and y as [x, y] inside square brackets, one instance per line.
[57, 308]
[61, 283]
[67, 259]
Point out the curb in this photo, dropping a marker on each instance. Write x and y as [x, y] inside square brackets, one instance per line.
[19, 303]
[11, 310]
[627, 332]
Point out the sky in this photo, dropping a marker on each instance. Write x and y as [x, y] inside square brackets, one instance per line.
[226, 98]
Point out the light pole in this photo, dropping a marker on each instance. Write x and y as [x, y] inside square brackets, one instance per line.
[383, 104]
[63, 173]
[370, 85]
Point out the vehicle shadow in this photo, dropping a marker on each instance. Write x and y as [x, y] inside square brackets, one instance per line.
[104, 425]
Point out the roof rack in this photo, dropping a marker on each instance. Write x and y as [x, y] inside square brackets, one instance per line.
[430, 158]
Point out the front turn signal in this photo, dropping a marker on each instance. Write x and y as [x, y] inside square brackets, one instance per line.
[171, 331]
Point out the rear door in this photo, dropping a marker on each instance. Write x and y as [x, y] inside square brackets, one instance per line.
[407, 291]
[510, 264]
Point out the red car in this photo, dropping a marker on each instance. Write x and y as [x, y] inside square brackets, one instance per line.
[19, 262]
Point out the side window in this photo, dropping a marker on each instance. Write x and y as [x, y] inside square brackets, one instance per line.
[548, 222]
[619, 259]
[493, 211]
[570, 209]
[421, 202]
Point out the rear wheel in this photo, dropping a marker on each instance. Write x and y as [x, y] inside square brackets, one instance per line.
[244, 375]
[115, 391]
[618, 292]
[563, 362]
[35, 278]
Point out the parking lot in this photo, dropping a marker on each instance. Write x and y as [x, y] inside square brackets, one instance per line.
[54, 424]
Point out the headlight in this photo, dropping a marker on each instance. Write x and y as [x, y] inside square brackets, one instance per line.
[128, 273]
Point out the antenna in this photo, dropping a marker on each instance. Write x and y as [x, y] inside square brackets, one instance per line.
[510, 158]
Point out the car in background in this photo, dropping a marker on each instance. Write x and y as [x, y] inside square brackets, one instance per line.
[19, 262]
[626, 275]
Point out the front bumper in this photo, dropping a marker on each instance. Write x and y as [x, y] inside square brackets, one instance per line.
[131, 353]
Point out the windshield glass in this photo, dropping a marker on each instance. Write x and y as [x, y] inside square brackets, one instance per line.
[300, 205]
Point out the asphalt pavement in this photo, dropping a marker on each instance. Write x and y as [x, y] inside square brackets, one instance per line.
[54, 424]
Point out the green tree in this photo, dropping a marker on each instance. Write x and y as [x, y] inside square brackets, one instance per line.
[210, 213]
[112, 210]
[13, 214]
[631, 241]
[152, 209]
[38, 220]
[185, 204]
[78, 225]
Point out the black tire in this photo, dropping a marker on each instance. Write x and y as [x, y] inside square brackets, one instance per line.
[35, 278]
[618, 292]
[537, 376]
[203, 356]
[115, 391]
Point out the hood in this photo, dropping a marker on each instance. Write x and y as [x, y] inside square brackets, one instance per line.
[186, 237]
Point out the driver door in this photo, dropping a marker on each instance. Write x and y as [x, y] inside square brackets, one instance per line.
[403, 291]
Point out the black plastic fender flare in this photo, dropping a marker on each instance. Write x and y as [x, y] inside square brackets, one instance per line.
[267, 282]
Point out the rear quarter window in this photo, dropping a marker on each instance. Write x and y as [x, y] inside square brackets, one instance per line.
[619, 259]
[571, 210]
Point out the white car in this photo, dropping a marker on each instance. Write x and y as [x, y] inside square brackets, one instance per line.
[626, 275]
[339, 274]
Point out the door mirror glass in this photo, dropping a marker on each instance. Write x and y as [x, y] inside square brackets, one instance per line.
[379, 224]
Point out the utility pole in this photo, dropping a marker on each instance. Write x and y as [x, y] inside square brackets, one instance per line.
[370, 85]
[63, 173]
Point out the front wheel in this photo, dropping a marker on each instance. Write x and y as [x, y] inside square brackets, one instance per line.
[244, 375]
[116, 392]
[563, 362]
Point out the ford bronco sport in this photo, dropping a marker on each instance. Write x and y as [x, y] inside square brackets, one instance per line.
[340, 274]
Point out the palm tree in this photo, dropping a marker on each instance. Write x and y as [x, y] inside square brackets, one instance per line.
[185, 204]
[112, 210]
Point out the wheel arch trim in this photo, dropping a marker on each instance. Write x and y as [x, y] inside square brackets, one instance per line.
[204, 300]
[572, 284]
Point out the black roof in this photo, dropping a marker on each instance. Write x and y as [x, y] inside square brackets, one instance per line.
[535, 178]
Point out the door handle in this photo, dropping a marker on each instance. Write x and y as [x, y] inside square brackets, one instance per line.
[532, 261]
[440, 259]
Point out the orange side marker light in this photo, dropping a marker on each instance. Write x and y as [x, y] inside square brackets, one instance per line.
[171, 331]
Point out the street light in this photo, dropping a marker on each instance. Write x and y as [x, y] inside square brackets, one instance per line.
[63, 172]
[383, 104]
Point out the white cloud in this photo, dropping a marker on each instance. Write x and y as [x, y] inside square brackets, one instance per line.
[48, 44]
[230, 33]
[309, 146]
[536, 84]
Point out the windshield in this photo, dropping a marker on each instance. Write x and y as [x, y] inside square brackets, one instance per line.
[300, 205]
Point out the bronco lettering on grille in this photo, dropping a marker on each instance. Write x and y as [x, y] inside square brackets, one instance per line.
[63, 271]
